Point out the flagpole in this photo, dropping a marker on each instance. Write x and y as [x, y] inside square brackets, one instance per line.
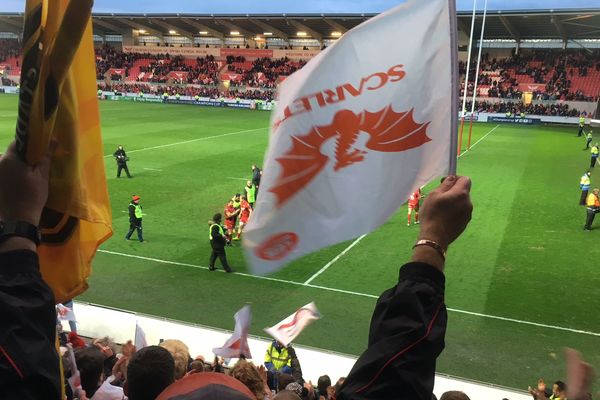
[464, 103]
[477, 75]
[453, 84]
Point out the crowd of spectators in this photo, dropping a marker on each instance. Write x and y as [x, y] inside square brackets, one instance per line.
[517, 108]
[187, 90]
[203, 72]
[9, 48]
[554, 69]
[109, 371]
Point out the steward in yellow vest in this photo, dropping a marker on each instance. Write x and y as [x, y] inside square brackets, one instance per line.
[216, 235]
[135, 219]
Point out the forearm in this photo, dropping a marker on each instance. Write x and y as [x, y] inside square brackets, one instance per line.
[28, 360]
[406, 336]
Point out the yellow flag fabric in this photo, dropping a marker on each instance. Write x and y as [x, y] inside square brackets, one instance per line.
[58, 100]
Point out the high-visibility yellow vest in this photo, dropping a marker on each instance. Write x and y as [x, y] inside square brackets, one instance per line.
[210, 237]
[581, 121]
[595, 151]
[585, 182]
[236, 203]
[592, 200]
[279, 359]
[250, 193]
[138, 211]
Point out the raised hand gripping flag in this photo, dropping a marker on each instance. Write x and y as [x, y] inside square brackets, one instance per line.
[65, 313]
[58, 101]
[356, 130]
[289, 329]
[237, 345]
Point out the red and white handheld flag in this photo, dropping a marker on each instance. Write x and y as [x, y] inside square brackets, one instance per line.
[355, 131]
[288, 329]
[237, 345]
[75, 378]
[65, 313]
[140, 337]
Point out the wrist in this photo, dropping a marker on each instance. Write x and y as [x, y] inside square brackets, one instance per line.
[17, 243]
[429, 255]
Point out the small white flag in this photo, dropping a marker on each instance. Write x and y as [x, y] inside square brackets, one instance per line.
[288, 329]
[75, 379]
[237, 345]
[65, 313]
[140, 337]
[355, 131]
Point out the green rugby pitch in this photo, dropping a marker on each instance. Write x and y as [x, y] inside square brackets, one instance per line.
[522, 282]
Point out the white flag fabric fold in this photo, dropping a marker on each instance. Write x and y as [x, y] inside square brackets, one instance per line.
[356, 130]
[140, 337]
[75, 378]
[237, 345]
[288, 329]
[65, 313]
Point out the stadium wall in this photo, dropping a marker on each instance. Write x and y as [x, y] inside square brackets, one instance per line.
[97, 321]
[249, 54]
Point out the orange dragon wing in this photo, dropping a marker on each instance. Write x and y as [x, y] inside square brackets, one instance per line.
[392, 132]
[299, 165]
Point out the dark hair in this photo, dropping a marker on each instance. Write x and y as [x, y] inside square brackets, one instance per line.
[322, 384]
[90, 362]
[283, 380]
[245, 197]
[149, 372]
[561, 385]
[454, 395]
[216, 218]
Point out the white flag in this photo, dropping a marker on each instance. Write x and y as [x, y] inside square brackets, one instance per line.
[65, 313]
[356, 130]
[288, 329]
[237, 345]
[75, 378]
[140, 337]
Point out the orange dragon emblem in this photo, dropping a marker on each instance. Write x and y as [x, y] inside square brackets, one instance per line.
[388, 131]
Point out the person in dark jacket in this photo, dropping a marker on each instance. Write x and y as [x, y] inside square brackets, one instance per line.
[409, 322]
[135, 219]
[122, 159]
[216, 235]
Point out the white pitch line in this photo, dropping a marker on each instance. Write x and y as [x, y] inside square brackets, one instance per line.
[483, 137]
[238, 179]
[330, 263]
[371, 296]
[191, 141]
[153, 169]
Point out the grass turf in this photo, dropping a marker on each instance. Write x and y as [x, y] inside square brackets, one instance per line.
[524, 255]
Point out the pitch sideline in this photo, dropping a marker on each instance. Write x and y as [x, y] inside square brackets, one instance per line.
[266, 278]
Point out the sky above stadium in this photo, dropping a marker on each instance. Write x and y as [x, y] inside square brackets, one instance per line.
[295, 6]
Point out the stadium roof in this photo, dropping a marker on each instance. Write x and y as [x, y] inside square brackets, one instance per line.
[517, 25]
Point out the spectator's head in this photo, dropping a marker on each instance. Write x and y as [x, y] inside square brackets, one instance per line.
[247, 373]
[217, 218]
[198, 365]
[149, 372]
[322, 384]
[283, 380]
[541, 386]
[559, 389]
[454, 395]
[339, 384]
[286, 395]
[181, 355]
[90, 362]
[208, 385]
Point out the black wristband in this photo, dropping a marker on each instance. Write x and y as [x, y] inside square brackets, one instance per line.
[22, 229]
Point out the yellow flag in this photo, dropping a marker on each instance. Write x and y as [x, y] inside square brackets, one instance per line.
[58, 101]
